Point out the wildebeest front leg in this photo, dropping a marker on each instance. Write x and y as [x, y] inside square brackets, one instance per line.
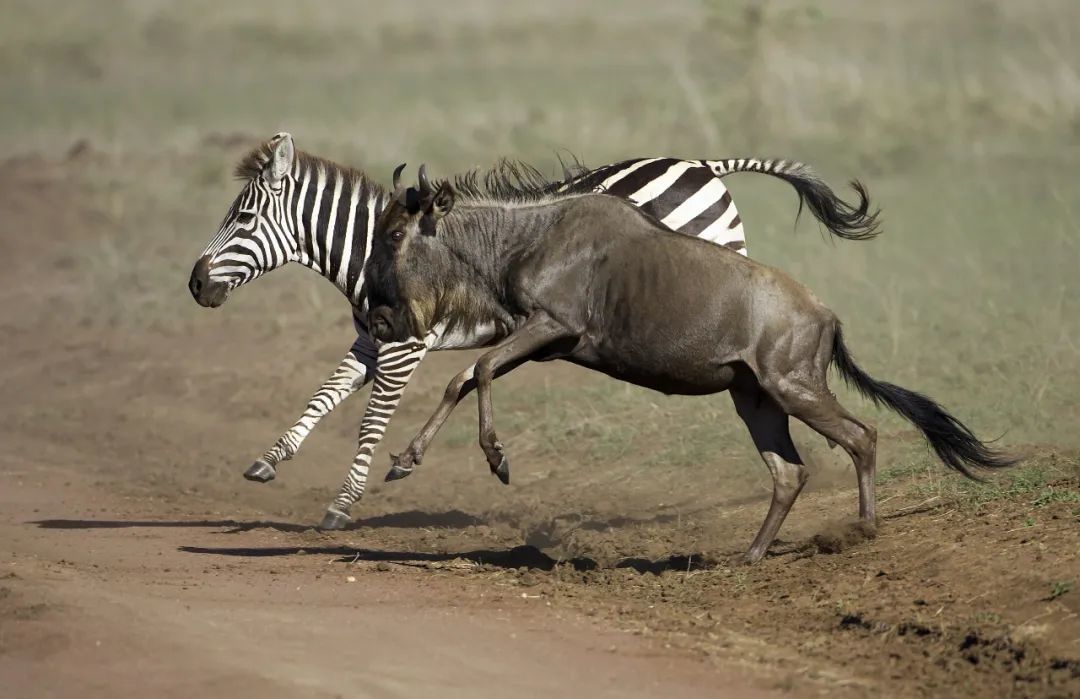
[460, 386]
[537, 332]
[403, 464]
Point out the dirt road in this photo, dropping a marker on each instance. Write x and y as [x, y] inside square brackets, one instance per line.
[102, 599]
[137, 561]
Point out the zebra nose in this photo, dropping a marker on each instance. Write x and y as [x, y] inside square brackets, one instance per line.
[200, 275]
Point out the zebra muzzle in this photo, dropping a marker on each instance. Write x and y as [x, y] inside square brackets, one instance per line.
[204, 290]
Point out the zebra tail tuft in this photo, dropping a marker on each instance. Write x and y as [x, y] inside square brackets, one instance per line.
[843, 219]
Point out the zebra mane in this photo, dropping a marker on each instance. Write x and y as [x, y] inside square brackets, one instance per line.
[253, 164]
[514, 181]
[508, 181]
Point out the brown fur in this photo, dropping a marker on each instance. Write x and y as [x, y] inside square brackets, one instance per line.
[592, 280]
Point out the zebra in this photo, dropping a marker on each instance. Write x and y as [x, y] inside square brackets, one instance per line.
[297, 207]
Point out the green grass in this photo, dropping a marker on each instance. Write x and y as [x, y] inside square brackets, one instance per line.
[1041, 481]
[964, 125]
[1059, 588]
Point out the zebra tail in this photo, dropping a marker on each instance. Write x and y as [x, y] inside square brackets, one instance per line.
[844, 220]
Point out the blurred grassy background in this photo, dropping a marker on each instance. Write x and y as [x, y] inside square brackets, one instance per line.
[963, 119]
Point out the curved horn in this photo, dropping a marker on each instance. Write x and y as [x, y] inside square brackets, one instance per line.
[425, 184]
[397, 175]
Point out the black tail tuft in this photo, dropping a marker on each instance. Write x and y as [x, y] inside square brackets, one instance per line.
[844, 220]
[950, 439]
[848, 221]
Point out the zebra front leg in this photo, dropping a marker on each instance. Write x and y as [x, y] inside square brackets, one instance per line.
[353, 372]
[396, 364]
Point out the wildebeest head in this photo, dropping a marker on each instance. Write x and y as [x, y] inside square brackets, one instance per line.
[407, 271]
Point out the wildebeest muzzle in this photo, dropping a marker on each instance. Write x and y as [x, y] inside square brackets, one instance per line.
[382, 325]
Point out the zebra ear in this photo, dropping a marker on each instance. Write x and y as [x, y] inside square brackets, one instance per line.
[281, 157]
[443, 201]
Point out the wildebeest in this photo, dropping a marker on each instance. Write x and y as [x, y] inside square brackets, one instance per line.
[591, 280]
[297, 207]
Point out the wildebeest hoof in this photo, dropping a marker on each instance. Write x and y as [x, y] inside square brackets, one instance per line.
[260, 472]
[502, 470]
[401, 466]
[334, 521]
[396, 472]
[740, 560]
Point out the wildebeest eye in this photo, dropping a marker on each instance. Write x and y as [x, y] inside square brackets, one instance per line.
[397, 235]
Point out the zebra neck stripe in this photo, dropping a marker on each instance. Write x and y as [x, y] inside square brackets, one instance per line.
[346, 248]
[332, 236]
[302, 233]
[320, 185]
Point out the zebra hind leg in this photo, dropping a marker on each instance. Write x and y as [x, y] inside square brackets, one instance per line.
[396, 364]
[334, 521]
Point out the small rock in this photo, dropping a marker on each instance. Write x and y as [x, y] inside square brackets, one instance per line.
[351, 578]
[382, 566]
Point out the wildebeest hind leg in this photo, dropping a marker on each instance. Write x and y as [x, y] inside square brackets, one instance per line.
[768, 425]
[820, 410]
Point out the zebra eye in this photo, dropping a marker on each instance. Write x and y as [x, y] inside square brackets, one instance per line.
[397, 236]
[245, 217]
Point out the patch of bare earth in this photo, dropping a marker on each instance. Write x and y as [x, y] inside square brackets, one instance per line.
[127, 524]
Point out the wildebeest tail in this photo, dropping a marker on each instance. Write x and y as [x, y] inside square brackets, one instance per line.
[950, 439]
[848, 221]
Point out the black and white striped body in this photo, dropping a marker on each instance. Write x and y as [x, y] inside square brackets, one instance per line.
[297, 208]
[685, 195]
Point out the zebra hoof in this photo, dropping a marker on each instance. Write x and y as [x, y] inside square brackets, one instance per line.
[334, 521]
[503, 470]
[396, 473]
[260, 472]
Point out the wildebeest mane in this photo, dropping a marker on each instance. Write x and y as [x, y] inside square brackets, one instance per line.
[511, 180]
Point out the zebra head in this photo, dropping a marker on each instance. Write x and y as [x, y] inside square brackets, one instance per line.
[256, 235]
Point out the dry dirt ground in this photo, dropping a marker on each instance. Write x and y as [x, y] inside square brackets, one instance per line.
[136, 560]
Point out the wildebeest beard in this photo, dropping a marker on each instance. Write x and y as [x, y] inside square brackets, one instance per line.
[448, 275]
